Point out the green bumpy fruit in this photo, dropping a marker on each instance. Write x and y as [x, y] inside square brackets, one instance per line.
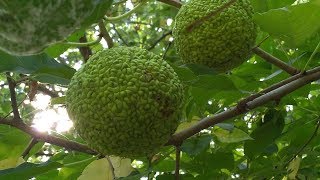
[27, 27]
[222, 41]
[125, 101]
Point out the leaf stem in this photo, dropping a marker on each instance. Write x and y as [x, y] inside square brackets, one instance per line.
[79, 44]
[312, 55]
[275, 61]
[29, 147]
[118, 18]
[305, 145]
[79, 162]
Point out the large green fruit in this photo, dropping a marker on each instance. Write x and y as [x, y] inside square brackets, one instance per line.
[222, 41]
[125, 101]
[29, 26]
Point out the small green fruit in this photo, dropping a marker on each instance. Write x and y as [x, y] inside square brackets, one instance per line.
[222, 41]
[125, 101]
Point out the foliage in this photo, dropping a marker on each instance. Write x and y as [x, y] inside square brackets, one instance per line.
[276, 139]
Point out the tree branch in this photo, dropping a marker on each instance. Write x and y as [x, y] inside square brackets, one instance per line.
[119, 35]
[30, 146]
[275, 94]
[105, 34]
[13, 96]
[71, 145]
[275, 61]
[159, 39]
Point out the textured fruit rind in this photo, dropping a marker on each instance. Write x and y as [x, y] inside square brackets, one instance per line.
[29, 26]
[125, 101]
[221, 42]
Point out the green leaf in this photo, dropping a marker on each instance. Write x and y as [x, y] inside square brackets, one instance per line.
[122, 166]
[166, 165]
[294, 24]
[98, 169]
[196, 145]
[261, 6]
[265, 134]
[11, 162]
[28, 170]
[206, 163]
[73, 165]
[230, 136]
[41, 67]
[58, 100]
[12, 142]
[184, 73]
[217, 82]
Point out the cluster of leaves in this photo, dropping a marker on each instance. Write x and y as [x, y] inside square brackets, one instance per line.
[271, 142]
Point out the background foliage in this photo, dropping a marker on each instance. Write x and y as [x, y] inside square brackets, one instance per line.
[275, 141]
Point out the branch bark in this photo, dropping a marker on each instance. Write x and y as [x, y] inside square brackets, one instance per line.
[30, 146]
[275, 61]
[105, 34]
[13, 96]
[275, 94]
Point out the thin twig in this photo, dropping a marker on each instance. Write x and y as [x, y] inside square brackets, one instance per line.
[149, 167]
[18, 106]
[177, 170]
[315, 51]
[85, 51]
[13, 96]
[29, 147]
[305, 145]
[166, 50]
[263, 40]
[127, 14]
[105, 34]
[119, 35]
[275, 61]
[159, 39]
